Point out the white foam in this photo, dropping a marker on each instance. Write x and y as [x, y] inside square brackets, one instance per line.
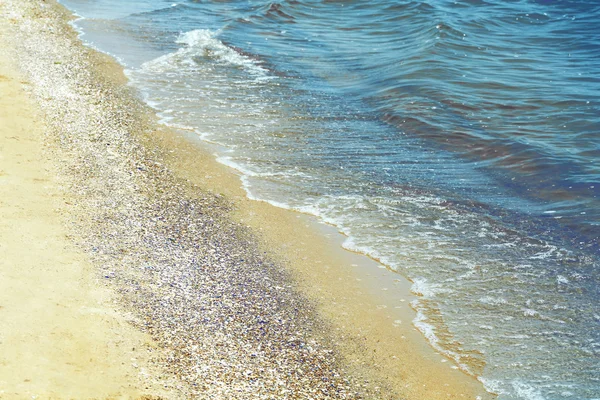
[526, 392]
[351, 245]
[491, 385]
[203, 43]
[422, 287]
[493, 300]
[428, 330]
[229, 161]
[251, 196]
[528, 312]
[548, 252]
[81, 35]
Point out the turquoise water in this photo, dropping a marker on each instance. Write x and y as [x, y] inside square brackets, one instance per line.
[457, 142]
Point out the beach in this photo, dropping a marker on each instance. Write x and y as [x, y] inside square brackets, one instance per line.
[61, 335]
[134, 265]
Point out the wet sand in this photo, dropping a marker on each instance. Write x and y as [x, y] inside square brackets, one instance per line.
[225, 297]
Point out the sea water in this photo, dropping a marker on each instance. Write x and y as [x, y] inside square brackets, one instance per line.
[457, 142]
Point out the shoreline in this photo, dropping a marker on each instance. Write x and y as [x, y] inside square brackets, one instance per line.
[161, 184]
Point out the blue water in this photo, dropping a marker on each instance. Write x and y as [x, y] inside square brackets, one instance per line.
[457, 142]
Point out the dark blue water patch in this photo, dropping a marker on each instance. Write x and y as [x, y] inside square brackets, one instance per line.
[514, 103]
[457, 79]
[509, 86]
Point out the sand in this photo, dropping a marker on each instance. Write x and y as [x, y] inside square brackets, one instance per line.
[60, 335]
[135, 265]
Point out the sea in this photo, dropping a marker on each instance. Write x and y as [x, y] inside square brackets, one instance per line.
[455, 142]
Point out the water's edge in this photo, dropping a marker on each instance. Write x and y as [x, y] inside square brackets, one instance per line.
[386, 322]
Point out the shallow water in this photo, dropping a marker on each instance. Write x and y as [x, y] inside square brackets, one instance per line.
[456, 142]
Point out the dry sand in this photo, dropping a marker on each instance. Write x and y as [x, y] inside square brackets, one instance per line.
[134, 262]
[60, 336]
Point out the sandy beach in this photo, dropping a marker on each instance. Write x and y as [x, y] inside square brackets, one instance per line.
[133, 265]
[60, 335]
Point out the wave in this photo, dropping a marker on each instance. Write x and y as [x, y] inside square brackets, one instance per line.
[201, 46]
